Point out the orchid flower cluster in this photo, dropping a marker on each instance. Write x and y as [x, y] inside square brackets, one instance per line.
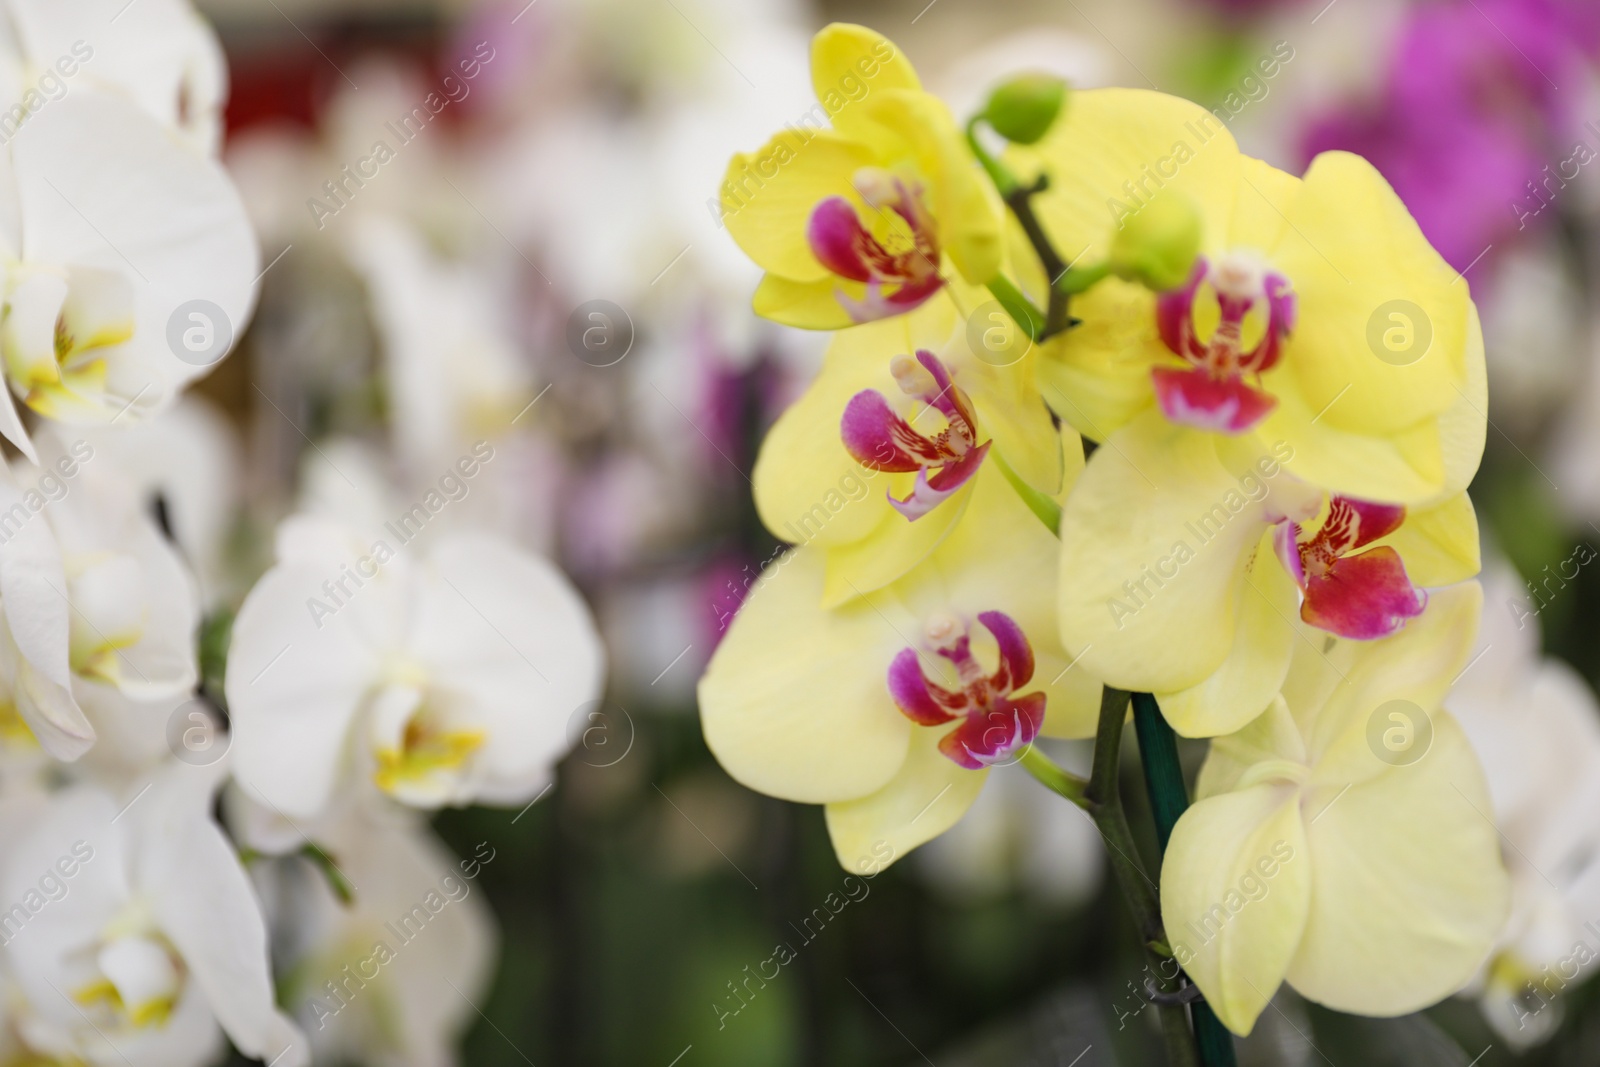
[1151, 417]
[176, 879]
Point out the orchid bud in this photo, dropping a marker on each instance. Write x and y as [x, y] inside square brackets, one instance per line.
[1156, 246]
[1023, 109]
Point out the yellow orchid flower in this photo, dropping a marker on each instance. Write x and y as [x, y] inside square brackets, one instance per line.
[1189, 559]
[1317, 314]
[852, 222]
[1343, 841]
[1257, 409]
[874, 464]
[890, 709]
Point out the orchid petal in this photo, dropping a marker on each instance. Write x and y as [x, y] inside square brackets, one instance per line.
[1249, 678]
[794, 702]
[926, 796]
[1363, 596]
[1236, 887]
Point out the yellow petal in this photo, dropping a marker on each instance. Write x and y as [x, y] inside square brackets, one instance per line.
[768, 196]
[1438, 544]
[805, 305]
[851, 63]
[1002, 558]
[1407, 674]
[1113, 150]
[808, 489]
[893, 547]
[1264, 198]
[1097, 375]
[1235, 891]
[795, 701]
[1012, 413]
[1410, 892]
[927, 797]
[1362, 270]
[1273, 737]
[1154, 540]
[1361, 465]
[915, 129]
[1464, 426]
[1248, 680]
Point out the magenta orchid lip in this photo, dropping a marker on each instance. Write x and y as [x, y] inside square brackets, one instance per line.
[881, 440]
[1214, 391]
[1359, 595]
[994, 722]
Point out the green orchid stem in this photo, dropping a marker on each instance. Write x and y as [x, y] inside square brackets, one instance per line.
[1056, 779]
[1005, 181]
[1057, 317]
[1041, 504]
[1019, 198]
[336, 880]
[1103, 801]
[1022, 310]
[1169, 799]
[1079, 279]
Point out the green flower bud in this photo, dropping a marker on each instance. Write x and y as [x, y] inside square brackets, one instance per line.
[1156, 245]
[1024, 108]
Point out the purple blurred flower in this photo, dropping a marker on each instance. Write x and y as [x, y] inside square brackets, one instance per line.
[1470, 115]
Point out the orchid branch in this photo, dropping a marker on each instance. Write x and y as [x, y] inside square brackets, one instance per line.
[1169, 799]
[1044, 507]
[1057, 779]
[1100, 799]
[1019, 198]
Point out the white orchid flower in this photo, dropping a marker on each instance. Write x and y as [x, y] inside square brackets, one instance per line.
[128, 265]
[158, 53]
[91, 594]
[1535, 724]
[388, 979]
[454, 375]
[189, 458]
[443, 673]
[134, 933]
[134, 605]
[35, 631]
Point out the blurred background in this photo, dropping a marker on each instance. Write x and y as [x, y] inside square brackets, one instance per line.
[546, 162]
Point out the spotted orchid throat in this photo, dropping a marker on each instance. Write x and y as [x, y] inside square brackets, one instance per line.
[1360, 595]
[898, 258]
[881, 440]
[994, 723]
[1254, 312]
